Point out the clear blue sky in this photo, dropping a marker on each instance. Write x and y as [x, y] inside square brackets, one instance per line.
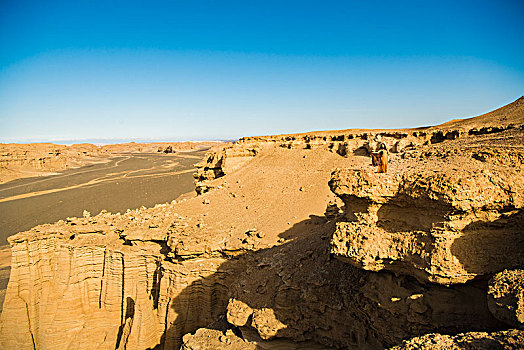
[195, 69]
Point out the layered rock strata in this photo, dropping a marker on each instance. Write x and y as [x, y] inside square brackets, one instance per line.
[146, 277]
[94, 282]
[33, 159]
[219, 162]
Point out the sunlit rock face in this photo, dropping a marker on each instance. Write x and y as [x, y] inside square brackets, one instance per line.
[96, 282]
[512, 339]
[444, 225]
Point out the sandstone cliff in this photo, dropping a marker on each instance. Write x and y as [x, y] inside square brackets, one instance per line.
[294, 239]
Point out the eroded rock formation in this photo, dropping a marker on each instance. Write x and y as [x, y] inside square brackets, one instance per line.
[445, 226]
[510, 340]
[506, 297]
[293, 240]
[96, 282]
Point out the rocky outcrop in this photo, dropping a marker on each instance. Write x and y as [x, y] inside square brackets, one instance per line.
[510, 340]
[297, 291]
[97, 282]
[449, 215]
[210, 168]
[208, 339]
[356, 141]
[219, 162]
[167, 149]
[440, 227]
[35, 159]
[506, 297]
[345, 142]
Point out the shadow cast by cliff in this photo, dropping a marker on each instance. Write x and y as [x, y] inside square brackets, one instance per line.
[492, 245]
[298, 291]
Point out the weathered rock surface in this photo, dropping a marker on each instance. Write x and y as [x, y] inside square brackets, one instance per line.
[33, 159]
[422, 242]
[297, 291]
[210, 339]
[5, 271]
[446, 213]
[93, 282]
[209, 168]
[444, 226]
[220, 161]
[505, 340]
[506, 297]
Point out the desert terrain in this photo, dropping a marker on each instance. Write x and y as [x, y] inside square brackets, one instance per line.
[293, 242]
[124, 182]
[42, 159]
[112, 178]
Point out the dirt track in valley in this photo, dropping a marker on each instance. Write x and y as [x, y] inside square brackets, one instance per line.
[126, 182]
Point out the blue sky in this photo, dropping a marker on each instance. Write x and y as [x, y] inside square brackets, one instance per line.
[80, 70]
